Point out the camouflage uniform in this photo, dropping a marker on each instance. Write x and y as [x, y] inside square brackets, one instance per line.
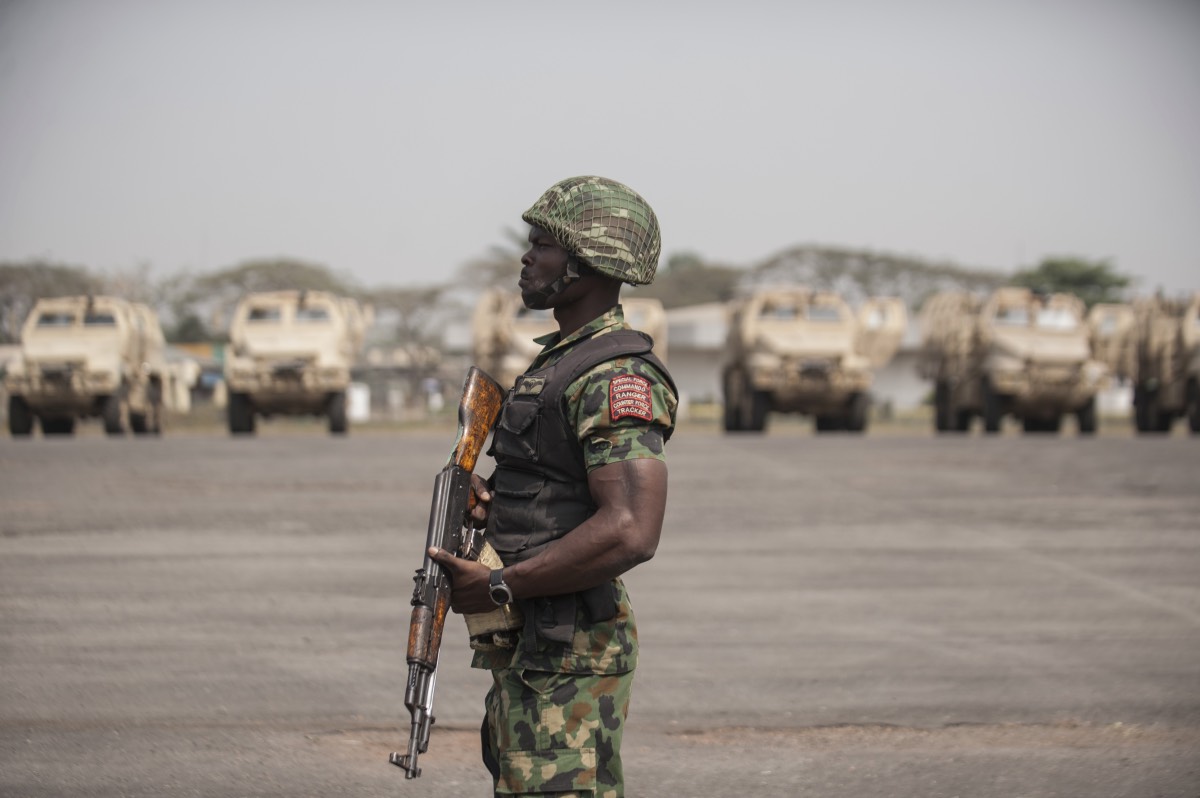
[556, 711]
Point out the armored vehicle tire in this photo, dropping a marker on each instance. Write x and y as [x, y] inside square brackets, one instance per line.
[1148, 414]
[745, 408]
[941, 407]
[1086, 416]
[20, 417]
[1142, 411]
[1193, 407]
[58, 426]
[856, 412]
[145, 423]
[993, 410]
[337, 413]
[111, 415]
[730, 417]
[150, 422]
[241, 414]
[732, 412]
[759, 403]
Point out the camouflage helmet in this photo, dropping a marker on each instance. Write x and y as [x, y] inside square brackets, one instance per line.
[602, 222]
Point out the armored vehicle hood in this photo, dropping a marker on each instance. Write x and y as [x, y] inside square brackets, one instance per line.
[1038, 329]
[91, 330]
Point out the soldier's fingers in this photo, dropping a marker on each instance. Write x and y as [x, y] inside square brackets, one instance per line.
[443, 558]
[479, 485]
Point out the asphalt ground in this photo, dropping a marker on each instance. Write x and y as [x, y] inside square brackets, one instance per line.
[888, 615]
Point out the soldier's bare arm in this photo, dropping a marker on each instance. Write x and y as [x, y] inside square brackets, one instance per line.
[631, 498]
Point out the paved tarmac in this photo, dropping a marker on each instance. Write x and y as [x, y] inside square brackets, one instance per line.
[888, 615]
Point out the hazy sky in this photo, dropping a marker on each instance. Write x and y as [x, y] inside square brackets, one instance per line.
[395, 141]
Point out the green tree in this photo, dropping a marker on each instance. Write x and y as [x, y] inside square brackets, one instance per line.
[1091, 281]
[24, 283]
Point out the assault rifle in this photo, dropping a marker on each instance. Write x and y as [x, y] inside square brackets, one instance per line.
[450, 529]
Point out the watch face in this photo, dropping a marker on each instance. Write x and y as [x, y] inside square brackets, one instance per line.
[501, 594]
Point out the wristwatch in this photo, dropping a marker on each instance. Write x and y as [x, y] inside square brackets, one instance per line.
[501, 593]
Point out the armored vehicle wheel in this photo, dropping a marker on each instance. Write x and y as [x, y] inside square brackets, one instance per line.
[1193, 407]
[241, 414]
[20, 417]
[732, 412]
[1148, 413]
[111, 415]
[856, 412]
[759, 404]
[942, 410]
[730, 417]
[150, 422]
[745, 408]
[1086, 416]
[145, 423]
[337, 413]
[1141, 410]
[993, 410]
[58, 426]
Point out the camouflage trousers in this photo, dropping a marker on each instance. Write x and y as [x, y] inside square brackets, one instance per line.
[556, 734]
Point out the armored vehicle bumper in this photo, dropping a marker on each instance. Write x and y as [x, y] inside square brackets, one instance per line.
[810, 386]
[291, 386]
[62, 388]
[1040, 389]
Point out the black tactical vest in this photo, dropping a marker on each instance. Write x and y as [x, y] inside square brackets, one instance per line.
[540, 489]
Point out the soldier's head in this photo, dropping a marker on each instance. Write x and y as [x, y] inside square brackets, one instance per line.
[588, 226]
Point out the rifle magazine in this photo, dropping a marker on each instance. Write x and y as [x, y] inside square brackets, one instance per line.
[495, 630]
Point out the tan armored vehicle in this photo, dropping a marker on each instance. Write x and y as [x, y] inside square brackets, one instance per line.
[1015, 353]
[290, 353]
[1166, 371]
[796, 350]
[503, 329]
[1112, 332]
[88, 356]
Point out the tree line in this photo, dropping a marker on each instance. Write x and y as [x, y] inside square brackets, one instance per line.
[195, 308]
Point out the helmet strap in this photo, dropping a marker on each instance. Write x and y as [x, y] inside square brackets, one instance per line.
[570, 274]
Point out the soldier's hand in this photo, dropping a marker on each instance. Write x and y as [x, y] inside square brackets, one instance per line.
[482, 501]
[468, 582]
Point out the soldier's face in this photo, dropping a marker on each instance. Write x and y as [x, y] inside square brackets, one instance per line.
[543, 264]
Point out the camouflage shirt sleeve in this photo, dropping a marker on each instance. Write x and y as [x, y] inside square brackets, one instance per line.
[621, 410]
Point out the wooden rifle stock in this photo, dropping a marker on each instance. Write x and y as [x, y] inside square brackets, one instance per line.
[477, 414]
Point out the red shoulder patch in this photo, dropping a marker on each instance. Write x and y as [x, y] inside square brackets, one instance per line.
[629, 395]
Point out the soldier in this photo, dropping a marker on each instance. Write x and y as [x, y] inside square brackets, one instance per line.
[577, 499]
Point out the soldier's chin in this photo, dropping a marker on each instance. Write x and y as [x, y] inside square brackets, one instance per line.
[535, 300]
